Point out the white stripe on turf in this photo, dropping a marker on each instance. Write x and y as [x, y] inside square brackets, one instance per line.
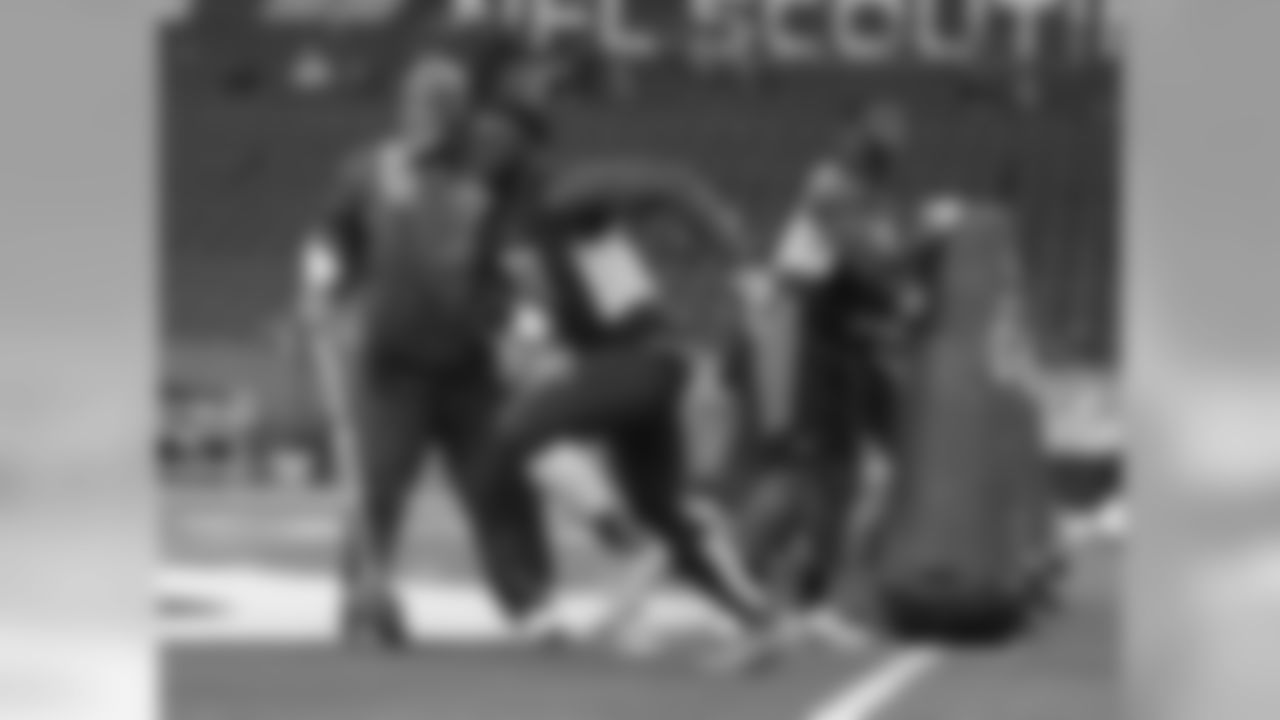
[247, 604]
[227, 529]
[871, 694]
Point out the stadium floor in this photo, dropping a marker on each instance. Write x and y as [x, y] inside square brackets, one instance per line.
[247, 601]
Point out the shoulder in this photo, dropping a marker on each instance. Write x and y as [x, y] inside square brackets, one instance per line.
[380, 169]
[363, 165]
[827, 181]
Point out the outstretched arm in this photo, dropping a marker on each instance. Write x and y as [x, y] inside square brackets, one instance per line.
[630, 182]
[336, 248]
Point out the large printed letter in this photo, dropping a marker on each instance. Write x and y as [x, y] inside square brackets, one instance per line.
[781, 36]
[868, 30]
[619, 37]
[724, 33]
[950, 30]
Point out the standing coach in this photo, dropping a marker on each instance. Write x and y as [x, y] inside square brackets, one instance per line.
[402, 261]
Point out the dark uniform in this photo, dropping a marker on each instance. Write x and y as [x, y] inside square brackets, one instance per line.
[422, 291]
[628, 370]
[624, 387]
[844, 250]
[417, 234]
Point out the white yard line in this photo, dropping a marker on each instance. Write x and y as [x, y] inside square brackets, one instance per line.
[870, 695]
[228, 529]
[246, 604]
[254, 605]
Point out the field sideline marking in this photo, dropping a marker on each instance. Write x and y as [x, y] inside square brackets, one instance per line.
[870, 694]
[247, 531]
[249, 604]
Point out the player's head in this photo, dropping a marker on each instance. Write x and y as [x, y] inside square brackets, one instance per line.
[494, 57]
[510, 88]
[533, 82]
[872, 150]
[496, 142]
[435, 96]
[514, 87]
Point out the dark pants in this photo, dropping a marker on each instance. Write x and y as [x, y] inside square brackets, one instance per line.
[846, 401]
[403, 410]
[629, 400]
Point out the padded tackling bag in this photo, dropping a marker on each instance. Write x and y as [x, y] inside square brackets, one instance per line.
[967, 549]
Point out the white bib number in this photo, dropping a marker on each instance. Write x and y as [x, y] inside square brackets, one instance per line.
[617, 279]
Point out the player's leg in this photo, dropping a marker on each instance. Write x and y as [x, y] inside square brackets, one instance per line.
[570, 408]
[771, 456]
[630, 400]
[699, 542]
[830, 479]
[593, 401]
[879, 460]
[388, 427]
[578, 482]
[506, 519]
[698, 546]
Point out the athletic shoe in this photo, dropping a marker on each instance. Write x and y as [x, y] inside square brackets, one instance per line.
[375, 625]
[759, 652]
[829, 630]
[543, 628]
